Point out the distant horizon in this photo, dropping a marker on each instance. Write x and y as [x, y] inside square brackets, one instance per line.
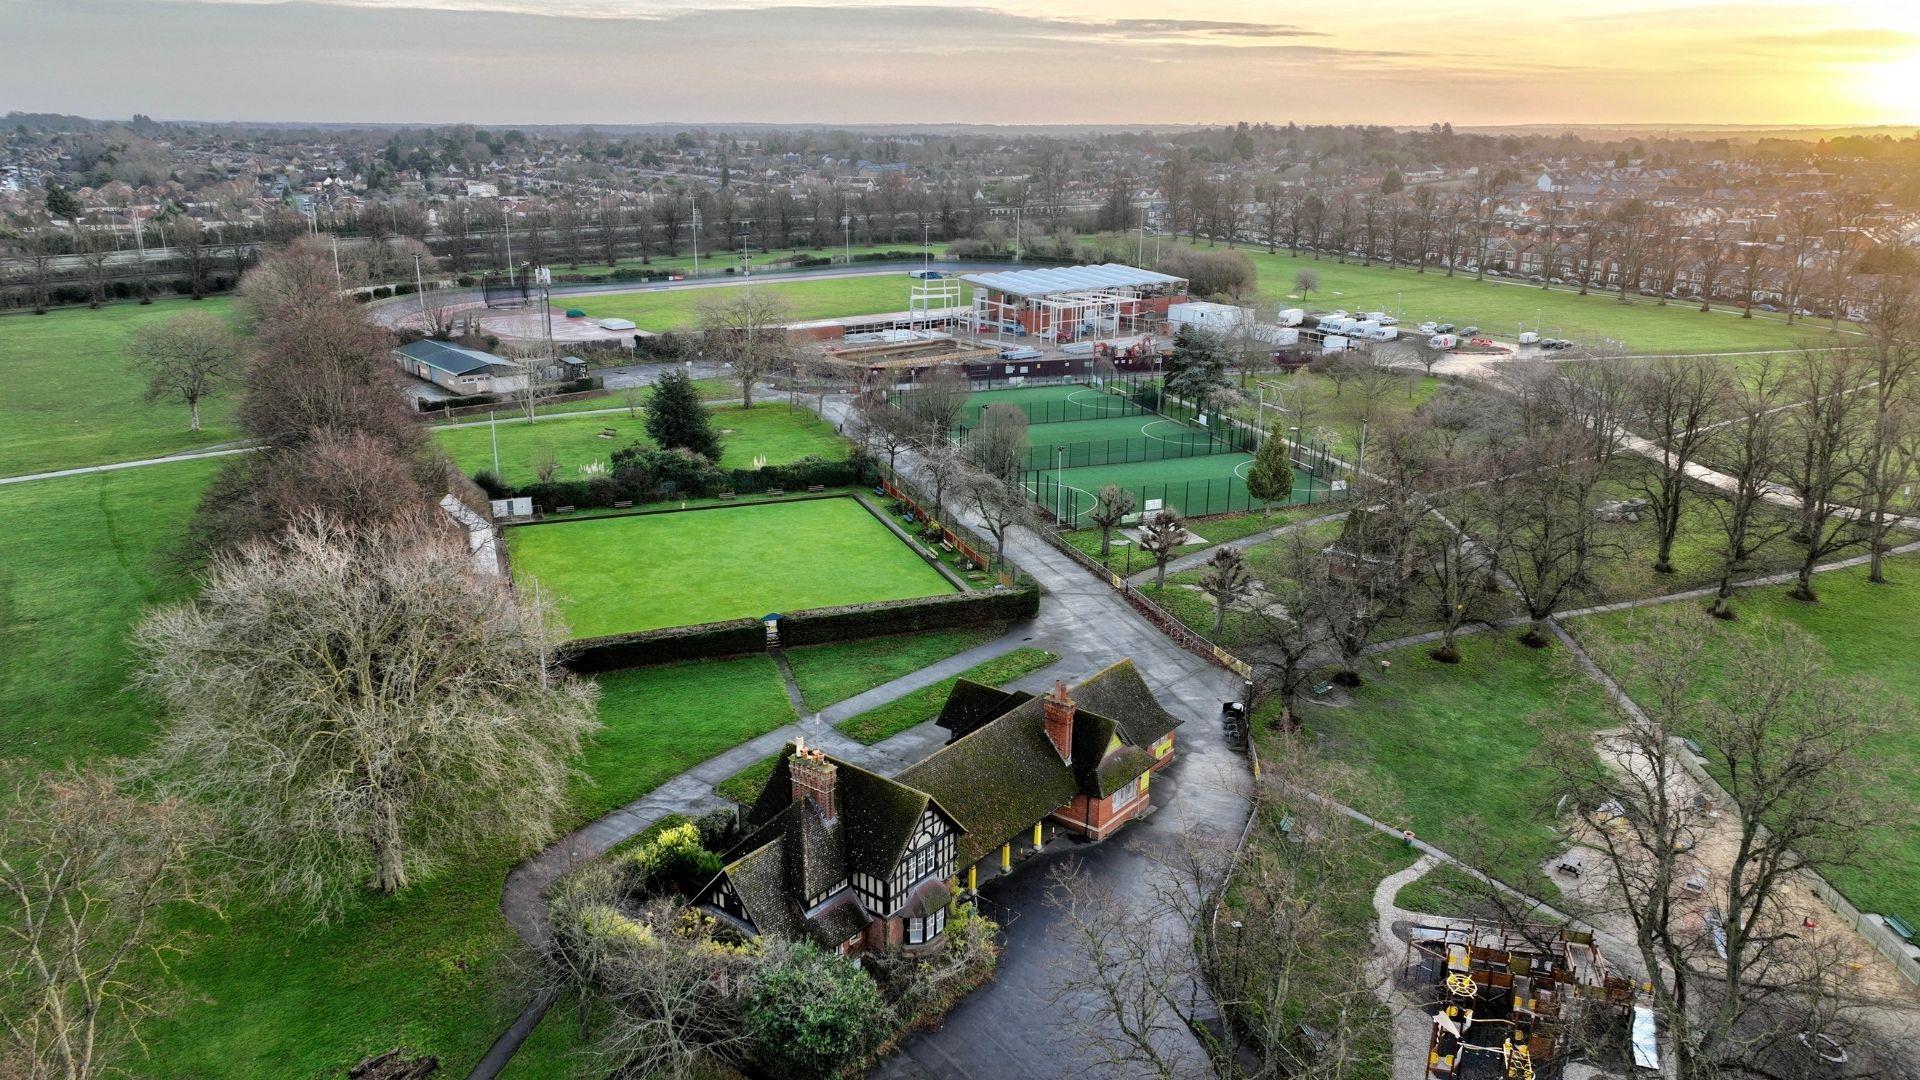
[819, 125]
[1126, 64]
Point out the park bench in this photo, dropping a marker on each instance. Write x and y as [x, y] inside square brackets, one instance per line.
[1899, 926]
[563, 509]
[623, 504]
[1322, 689]
[726, 494]
[815, 489]
[609, 433]
[775, 493]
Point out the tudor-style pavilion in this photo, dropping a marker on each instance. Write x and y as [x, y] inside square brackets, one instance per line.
[858, 861]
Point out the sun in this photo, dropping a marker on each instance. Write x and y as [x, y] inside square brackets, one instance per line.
[1888, 89]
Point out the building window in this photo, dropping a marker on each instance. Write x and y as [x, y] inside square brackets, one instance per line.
[921, 931]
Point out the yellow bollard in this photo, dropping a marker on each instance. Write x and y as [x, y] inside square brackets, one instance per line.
[1006, 856]
[1036, 836]
[973, 879]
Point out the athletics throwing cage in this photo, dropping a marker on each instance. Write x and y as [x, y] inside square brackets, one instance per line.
[500, 291]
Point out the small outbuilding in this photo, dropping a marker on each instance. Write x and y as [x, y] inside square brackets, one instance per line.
[458, 368]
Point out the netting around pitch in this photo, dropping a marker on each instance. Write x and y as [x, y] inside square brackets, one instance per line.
[1130, 434]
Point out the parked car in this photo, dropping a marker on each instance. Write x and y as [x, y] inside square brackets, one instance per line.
[1766, 307]
[1388, 320]
[1445, 328]
[1469, 331]
[1429, 327]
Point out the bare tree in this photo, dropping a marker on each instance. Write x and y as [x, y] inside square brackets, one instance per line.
[1830, 432]
[1306, 282]
[633, 397]
[1550, 540]
[1889, 471]
[1290, 622]
[1226, 580]
[998, 445]
[1673, 401]
[1111, 506]
[883, 423]
[747, 330]
[933, 404]
[434, 720]
[1000, 505]
[89, 877]
[656, 994]
[1160, 537]
[1749, 447]
[187, 358]
[1722, 947]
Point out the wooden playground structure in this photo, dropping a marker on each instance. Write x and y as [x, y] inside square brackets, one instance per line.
[1502, 999]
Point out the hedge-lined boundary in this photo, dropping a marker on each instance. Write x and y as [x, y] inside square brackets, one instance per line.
[819, 626]
[919, 549]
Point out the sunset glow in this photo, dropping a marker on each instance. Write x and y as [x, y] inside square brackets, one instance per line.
[610, 61]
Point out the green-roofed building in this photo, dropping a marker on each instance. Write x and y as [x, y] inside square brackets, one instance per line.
[857, 861]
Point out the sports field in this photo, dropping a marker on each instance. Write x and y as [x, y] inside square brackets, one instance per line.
[814, 298]
[1082, 439]
[616, 575]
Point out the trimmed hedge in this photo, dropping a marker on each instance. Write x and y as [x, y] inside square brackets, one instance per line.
[615, 652]
[696, 479]
[592, 656]
[853, 621]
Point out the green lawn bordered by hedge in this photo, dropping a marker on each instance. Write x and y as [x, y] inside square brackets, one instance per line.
[828, 674]
[773, 431]
[1453, 741]
[614, 575]
[1868, 631]
[70, 399]
[924, 704]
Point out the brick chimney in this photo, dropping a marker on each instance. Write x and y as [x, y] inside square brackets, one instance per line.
[814, 779]
[1057, 708]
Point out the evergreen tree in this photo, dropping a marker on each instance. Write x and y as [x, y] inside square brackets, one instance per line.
[1197, 369]
[61, 203]
[1271, 477]
[677, 420]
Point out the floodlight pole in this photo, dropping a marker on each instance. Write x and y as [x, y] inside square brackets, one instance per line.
[493, 425]
[420, 289]
[506, 223]
[846, 238]
[1059, 489]
[696, 241]
[337, 282]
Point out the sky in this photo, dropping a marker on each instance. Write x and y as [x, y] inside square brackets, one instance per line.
[498, 62]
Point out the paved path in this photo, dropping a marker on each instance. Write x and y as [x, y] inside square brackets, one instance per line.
[1195, 559]
[222, 450]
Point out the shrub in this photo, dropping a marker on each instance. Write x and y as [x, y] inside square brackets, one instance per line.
[491, 483]
[673, 861]
[810, 1013]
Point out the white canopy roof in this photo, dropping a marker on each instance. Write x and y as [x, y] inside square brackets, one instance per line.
[1062, 279]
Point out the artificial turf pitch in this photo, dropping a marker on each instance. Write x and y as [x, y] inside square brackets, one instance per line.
[1156, 457]
[616, 575]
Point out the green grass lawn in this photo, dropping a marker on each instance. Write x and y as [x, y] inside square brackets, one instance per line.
[261, 996]
[827, 674]
[774, 431]
[427, 969]
[1499, 309]
[1452, 745]
[1870, 631]
[618, 574]
[1312, 402]
[924, 704]
[661, 721]
[744, 786]
[80, 558]
[71, 401]
[826, 298]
